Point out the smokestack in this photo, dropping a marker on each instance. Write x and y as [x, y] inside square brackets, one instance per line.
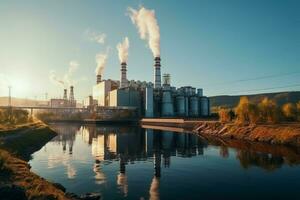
[65, 94]
[157, 76]
[72, 100]
[166, 80]
[98, 78]
[123, 75]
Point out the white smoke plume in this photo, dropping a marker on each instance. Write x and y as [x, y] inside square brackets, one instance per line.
[146, 23]
[101, 59]
[123, 50]
[67, 79]
[95, 36]
[56, 80]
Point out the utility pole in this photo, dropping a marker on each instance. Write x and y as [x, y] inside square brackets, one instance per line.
[9, 104]
[9, 96]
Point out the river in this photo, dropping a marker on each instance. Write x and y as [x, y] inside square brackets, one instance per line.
[136, 163]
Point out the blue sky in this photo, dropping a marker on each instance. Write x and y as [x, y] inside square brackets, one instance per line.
[204, 43]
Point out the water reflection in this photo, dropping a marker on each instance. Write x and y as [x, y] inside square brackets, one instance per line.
[127, 145]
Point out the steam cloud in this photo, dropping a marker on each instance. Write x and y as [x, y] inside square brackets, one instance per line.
[95, 36]
[146, 23]
[67, 80]
[123, 50]
[101, 59]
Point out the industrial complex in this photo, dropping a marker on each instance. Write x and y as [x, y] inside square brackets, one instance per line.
[160, 99]
[140, 98]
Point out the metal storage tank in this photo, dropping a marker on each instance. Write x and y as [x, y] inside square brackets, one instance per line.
[205, 107]
[167, 104]
[194, 110]
[200, 92]
[149, 102]
[186, 106]
[193, 91]
[180, 105]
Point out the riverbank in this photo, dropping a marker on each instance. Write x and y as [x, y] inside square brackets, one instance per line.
[17, 143]
[282, 133]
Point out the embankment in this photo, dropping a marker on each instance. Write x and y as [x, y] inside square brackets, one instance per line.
[16, 179]
[283, 133]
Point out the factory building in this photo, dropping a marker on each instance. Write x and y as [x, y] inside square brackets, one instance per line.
[65, 101]
[88, 102]
[125, 97]
[167, 101]
[160, 99]
[101, 90]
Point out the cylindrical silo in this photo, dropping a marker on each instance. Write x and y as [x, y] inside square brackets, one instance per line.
[167, 104]
[194, 110]
[186, 106]
[200, 92]
[180, 105]
[204, 106]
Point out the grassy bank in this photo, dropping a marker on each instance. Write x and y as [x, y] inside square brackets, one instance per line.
[16, 179]
[18, 182]
[282, 133]
[26, 139]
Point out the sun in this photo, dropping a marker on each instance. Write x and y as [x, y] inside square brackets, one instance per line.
[20, 86]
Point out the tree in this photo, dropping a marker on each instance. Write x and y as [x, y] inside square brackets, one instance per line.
[254, 113]
[224, 115]
[269, 111]
[298, 110]
[242, 110]
[289, 111]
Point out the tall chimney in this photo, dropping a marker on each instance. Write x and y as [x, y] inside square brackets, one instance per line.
[65, 94]
[98, 78]
[124, 82]
[157, 76]
[72, 100]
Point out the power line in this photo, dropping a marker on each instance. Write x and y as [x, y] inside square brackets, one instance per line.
[255, 78]
[264, 89]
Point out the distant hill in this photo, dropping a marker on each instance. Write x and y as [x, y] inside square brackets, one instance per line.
[21, 102]
[231, 101]
[27, 102]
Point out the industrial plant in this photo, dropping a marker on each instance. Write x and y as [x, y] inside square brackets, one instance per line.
[140, 98]
[148, 99]
[64, 102]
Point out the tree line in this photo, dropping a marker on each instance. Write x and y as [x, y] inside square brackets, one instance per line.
[13, 116]
[266, 111]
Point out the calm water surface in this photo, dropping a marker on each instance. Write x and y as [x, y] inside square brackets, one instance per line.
[136, 163]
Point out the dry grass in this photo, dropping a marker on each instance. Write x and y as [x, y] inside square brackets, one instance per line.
[287, 133]
[18, 173]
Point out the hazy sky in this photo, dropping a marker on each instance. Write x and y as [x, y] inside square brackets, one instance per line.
[204, 43]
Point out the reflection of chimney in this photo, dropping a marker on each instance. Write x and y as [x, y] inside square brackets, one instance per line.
[65, 95]
[122, 164]
[157, 76]
[157, 162]
[98, 78]
[72, 100]
[123, 75]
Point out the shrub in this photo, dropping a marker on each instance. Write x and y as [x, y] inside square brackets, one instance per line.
[268, 111]
[254, 113]
[224, 115]
[242, 111]
[289, 111]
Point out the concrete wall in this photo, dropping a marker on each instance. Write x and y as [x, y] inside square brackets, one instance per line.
[121, 97]
[101, 92]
